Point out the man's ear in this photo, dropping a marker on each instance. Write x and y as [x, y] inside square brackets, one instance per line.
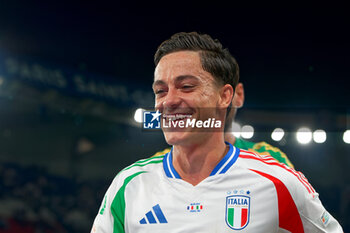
[238, 98]
[226, 95]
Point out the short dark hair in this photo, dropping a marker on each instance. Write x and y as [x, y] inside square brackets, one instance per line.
[214, 58]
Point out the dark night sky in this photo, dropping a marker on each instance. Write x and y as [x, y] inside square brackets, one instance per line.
[290, 54]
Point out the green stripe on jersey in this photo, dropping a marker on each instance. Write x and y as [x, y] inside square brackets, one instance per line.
[104, 205]
[146, 162]
[148, 159]
[118, 205]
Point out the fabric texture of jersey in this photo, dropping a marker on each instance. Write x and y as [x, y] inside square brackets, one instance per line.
[262, 148]
[246, 192]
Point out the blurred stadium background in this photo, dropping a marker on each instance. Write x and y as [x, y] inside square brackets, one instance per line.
[72, 75]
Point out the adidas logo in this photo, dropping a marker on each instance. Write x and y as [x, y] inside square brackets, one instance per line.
[151, 216]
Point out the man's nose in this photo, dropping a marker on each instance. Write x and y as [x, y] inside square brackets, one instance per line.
[171, 101]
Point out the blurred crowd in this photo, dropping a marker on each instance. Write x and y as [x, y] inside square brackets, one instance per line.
[32, 200]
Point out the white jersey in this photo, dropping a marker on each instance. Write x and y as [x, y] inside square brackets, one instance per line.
[245, 192]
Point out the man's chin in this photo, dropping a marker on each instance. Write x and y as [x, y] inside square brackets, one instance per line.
[176, 137]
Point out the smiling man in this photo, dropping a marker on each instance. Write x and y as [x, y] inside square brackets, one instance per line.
[182, 87]
[205, 184]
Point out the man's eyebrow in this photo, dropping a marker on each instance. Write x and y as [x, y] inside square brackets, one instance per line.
[184, 77]
[158, 82]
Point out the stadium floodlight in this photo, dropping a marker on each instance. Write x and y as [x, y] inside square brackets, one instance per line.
[247, 131]
[236, 129]
[346, 136]
[304, 135]
[319, 136]
[277, 134]
[138, 115]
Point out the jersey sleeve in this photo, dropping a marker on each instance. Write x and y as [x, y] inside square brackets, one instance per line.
[314, 217]
[106, 221]
[111, 215]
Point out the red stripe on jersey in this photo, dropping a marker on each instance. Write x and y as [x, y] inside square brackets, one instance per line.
[265, 157]
[272, 161]
[299, 175]
[244, 216]
[248, 152]
[304, 178]
[306, 184]
[289, 218]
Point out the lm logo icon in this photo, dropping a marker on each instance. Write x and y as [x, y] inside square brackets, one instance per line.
[151, 120]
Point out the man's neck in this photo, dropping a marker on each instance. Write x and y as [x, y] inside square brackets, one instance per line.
[194, 163]
[229, 137]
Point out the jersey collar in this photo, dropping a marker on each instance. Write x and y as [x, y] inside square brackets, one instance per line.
[226, 162]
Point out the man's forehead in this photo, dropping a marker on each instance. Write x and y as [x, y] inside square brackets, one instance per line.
[184, 59]
[182, 63]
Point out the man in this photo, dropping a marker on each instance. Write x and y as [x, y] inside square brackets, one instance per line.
[205, 184]
[262, 148]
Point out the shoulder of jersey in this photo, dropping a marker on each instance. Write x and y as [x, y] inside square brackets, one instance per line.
[264, 148]
[262, 159]
[267, 164]
[142, 166]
